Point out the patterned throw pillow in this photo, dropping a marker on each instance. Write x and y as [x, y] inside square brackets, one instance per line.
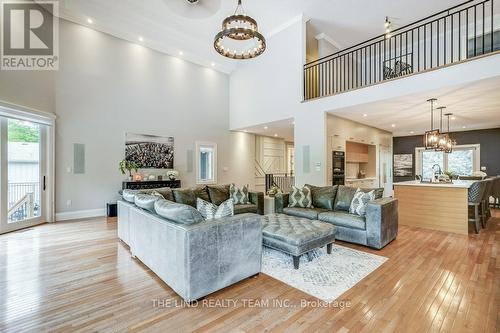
[300, 197]
[157, 194]
[360, 201]
[210, 211]
[239, 195]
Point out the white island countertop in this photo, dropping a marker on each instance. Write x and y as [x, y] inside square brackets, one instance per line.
[455, 184]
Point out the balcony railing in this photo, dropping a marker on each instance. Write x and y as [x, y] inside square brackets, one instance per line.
[23, 201]
[462, 32]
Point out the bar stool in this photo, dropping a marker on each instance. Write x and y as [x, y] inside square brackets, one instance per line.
[485, 205]
[495, 192]
[475, 194]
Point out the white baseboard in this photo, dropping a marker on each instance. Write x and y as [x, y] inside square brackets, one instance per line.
[80, 214]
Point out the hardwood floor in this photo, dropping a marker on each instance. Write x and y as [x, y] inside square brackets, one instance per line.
[77, 276]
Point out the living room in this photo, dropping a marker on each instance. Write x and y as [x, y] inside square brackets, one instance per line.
[341, 174]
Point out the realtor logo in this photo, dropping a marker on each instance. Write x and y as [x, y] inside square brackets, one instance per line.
[30, 35]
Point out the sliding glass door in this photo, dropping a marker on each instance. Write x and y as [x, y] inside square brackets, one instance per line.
[23, 173]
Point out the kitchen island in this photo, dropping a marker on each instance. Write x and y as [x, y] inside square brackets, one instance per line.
[438, 206]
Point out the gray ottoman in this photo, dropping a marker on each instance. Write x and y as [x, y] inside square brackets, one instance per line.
[296, 235]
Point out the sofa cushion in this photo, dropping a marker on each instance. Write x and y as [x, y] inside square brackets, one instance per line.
[166, 192]
[360, 201]
[323, 197]
[344, 198]
[300, 197]
[129, 195]
[248, 208]
[146, 201]
[308, 213]
[218, 193]
[239, 194]
[343, 219]
[201, 192]
[184, 196]
[176, 212]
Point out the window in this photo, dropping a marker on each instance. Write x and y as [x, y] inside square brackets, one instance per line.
[463, 161]
[206, 163]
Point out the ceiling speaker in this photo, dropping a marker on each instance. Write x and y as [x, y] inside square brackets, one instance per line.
[194, 9]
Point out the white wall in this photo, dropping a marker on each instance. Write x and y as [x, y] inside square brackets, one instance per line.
[106, 87]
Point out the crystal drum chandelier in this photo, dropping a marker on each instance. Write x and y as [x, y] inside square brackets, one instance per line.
[239, 37]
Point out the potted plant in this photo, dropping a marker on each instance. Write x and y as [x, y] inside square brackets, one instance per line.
[273, 191]
[125, 166]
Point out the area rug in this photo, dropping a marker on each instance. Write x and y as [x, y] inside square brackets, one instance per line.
[326, 276]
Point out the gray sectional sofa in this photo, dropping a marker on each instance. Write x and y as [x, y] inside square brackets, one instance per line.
[211, 193]
[331, 204]
[195, 257]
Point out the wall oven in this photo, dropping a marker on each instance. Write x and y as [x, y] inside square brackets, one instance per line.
[338, 167]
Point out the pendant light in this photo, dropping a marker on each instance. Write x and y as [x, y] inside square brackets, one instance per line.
[443, 137]
[431, 137]
[450, 143]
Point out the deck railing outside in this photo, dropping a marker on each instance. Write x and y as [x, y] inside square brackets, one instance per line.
[462, 32]
[23, 200]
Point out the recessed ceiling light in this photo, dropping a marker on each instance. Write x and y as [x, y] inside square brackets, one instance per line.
[411, 132]
[275, 135]
[141, 39]
[265, 127]
[181, 53]
[453, 118]
[89, 21]
[212, 64]
[464, 126]
[393, 125]
[365, 115]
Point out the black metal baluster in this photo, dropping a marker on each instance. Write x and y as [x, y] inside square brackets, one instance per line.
[475, 30]
[444, 44]
[483, 26]
[452, 26]
[459, 36]
[492, 27]
[437, 46]
[432, 53]
[425, 47]
[467, 34]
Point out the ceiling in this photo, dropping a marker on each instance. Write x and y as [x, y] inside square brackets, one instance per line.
[475, 106]
[162, 27]
[282, 129]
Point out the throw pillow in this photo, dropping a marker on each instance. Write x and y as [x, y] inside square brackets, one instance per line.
[323, 197]
[344, 197]
[210, 211]
[239, 195]
[157, 194]
[300, 197]
[360, 201]
[225, 209]
[218, 193]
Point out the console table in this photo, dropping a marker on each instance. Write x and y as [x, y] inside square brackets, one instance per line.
[126, 185]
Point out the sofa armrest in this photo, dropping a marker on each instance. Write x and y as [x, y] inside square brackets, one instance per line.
[257, 198]
[221, 252]
[280, 202]
[381, 222]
